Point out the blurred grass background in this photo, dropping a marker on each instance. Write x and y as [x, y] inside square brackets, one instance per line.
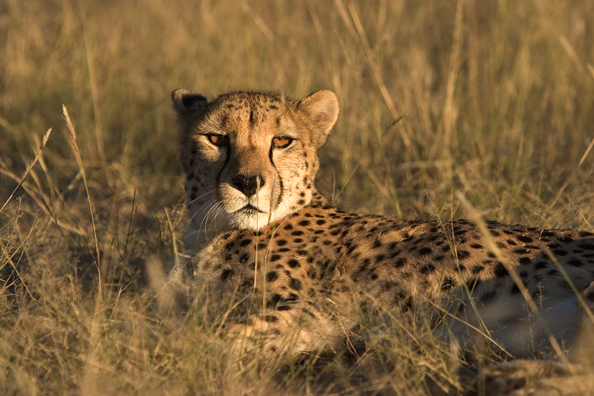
[494, 99]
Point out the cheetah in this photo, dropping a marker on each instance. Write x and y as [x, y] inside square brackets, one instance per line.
[285, 271]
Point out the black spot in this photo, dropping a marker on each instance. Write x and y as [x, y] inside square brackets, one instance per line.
[294, 263]
[274, 300]
[376, 244]
[524, 238]
[312, 273]
[351, 249]
[500, 270]
[261, 246]
[476, 246]
[244, 258]
[540, 265]
[462, 254]
[477, 268]
[427, 269]
[298, 240]
[297, 233]
[274, 257]
[400, 262]
[281, 242]
[226, 274]
[271, 276]
[245, 242]
[295, 284]
[395, 253]
[379, 258]
[425, 251]
[269, 318]
[447, 284]
[525, 260]
[283, 250]
[321, 222]
[288, 226]
[408, 304]
[575, 263]
[511, 242]
[560, 252]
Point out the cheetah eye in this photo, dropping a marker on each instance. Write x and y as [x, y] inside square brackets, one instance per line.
[218, 140]
[282, 141]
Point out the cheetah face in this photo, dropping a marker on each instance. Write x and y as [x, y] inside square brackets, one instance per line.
[250, 157]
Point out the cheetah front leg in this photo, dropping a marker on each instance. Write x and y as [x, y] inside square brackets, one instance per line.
[290, 332]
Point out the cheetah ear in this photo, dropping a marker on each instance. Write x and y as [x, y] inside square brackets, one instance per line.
[321, 108]
[184, 101]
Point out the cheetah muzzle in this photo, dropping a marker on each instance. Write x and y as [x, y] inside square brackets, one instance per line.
[290, 273]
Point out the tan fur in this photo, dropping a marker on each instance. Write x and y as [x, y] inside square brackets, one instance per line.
[303, 274]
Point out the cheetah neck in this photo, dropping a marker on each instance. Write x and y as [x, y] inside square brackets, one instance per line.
[197, 238]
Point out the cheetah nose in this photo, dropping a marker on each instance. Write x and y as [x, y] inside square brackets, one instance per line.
[248, 185]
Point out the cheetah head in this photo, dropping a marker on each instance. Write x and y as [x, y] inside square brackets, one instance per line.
[250, 157]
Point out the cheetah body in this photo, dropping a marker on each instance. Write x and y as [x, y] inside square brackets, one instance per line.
[300, 275]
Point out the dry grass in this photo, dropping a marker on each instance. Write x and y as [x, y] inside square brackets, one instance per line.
[496, 104]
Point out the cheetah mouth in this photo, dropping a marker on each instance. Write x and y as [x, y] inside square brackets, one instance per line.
[249, 210]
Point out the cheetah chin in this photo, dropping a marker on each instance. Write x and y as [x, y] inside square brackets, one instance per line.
[290, 273]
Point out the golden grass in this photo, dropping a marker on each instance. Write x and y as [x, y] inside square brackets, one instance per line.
[496, 104]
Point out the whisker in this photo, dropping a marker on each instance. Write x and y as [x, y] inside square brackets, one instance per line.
[203, 195]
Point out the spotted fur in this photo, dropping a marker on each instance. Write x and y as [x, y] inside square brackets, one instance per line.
[301, 275]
